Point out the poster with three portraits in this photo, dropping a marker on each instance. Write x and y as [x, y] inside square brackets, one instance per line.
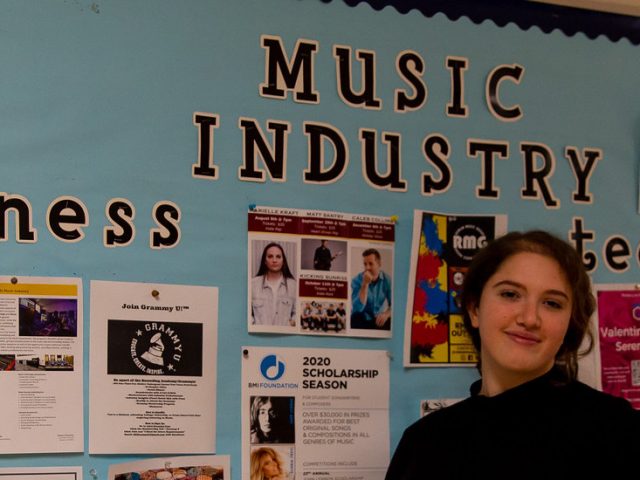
[314, 272]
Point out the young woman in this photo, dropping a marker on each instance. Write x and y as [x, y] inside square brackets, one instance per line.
[527, 302]
[273, 289]
[266, 464]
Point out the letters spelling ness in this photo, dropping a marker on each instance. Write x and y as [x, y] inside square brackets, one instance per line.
[67, 216]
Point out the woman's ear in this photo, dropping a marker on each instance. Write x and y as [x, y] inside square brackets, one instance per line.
[472, 310]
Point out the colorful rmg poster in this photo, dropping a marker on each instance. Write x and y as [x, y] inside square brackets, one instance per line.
[442, 248]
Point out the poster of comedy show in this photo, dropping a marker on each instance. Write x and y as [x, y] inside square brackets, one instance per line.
[315, 414]
[153, 368]
[433, 404]
[442, 248]
[41, 473]
[619, 340]
[193, 467]
[41, 365]
[317, 272]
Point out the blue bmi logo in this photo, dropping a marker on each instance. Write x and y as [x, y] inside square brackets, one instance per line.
[271, 368]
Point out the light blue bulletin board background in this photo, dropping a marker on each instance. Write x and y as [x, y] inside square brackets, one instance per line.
[97, 102]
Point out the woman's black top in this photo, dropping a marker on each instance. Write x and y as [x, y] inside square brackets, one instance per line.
[543, 429]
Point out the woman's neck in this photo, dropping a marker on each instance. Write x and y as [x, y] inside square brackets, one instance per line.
[273, 276]
[495, 383]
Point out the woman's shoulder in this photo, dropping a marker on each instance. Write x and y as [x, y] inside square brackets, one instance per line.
[589, 397]
[609, 421]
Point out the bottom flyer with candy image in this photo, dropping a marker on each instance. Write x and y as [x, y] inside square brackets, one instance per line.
[197, 467]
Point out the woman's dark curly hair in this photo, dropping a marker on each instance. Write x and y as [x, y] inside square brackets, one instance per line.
[488, 260]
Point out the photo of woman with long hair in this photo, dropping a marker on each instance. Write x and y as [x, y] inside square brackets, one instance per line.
[273, 289]
[267, 464]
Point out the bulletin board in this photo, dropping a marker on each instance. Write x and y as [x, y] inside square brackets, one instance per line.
[187, 114]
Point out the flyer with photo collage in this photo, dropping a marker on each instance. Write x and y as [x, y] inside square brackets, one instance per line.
[442, 248]
[316, 272]
[41, 365]
[315, 414]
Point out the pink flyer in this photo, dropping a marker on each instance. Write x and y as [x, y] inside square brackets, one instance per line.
[619, 334]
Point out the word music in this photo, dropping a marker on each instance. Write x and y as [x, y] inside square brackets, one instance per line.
[294, 75]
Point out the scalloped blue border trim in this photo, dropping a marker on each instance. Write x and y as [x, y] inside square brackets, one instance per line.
[523, 13]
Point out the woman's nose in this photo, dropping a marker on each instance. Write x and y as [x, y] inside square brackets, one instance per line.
[528, 316]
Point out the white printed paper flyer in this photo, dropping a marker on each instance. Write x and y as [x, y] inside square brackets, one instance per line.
[315, 272]
[153, 368]
[41, 473]
[41, 365]
[194, 467]
[315, 414]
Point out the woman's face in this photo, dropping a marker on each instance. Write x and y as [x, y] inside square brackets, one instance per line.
[265, 415]
[273, 259]
[270, 467]
[522, 317]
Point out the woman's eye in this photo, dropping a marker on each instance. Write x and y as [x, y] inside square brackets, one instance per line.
[554, 304]
[509, 294]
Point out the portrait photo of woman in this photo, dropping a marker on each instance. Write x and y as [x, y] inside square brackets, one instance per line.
[273, 288]
[267, 464]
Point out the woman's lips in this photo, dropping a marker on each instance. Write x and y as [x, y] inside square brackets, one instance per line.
[524, 338]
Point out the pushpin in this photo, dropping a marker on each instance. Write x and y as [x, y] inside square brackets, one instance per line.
[155, 293]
